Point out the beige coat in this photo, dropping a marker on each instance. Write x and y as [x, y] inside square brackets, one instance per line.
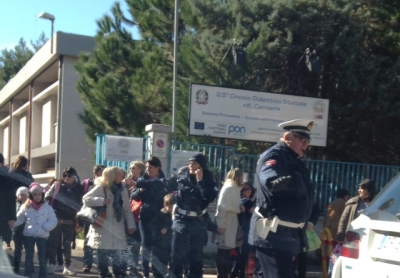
[228, 208]
[112, 235]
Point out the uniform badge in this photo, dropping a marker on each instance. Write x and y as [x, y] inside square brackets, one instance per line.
[310, 125]
[270, 162]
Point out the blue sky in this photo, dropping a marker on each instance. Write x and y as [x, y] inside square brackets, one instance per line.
[19, 18]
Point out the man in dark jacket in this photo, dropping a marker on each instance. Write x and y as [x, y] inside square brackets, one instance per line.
[196, 190]
[284, 201]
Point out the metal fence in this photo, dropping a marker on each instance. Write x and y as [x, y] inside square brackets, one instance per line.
[327, 176]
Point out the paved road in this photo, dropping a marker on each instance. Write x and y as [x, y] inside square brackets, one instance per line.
[76, 265]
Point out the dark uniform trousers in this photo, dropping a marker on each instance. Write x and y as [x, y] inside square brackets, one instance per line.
[278, 263]
[188, 239]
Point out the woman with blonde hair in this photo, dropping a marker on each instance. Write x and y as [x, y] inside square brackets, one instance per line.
[109, 240]
[136, 170]
[228, 208]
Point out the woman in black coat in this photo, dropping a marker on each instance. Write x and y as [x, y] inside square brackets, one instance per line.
[10, 182]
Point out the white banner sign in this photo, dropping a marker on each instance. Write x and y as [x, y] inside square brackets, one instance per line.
[179, 159]
[122, 148]
[249, 115]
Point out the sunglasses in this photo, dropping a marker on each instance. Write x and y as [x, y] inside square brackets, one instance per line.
[246, 189]
[302, 139]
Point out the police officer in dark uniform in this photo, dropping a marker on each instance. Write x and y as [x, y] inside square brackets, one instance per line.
[284, 201]
[196, 189]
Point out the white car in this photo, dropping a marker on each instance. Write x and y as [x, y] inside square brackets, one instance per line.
[372, 244]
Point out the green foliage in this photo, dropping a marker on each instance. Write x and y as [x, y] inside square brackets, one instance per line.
[11, 61]
[39, 42]
[123, 82]
[127, 84]
[80, 235]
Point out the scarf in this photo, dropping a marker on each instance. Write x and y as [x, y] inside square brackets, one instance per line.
[35, 205]
[116, 189]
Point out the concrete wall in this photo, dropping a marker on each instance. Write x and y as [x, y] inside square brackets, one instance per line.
[74, 149]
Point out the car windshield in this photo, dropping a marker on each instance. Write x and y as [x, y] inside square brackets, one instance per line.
[386, 205]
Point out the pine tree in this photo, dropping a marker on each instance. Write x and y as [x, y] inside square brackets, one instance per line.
[123, 82]
[11, 61]
[356, 43]
[358, 55]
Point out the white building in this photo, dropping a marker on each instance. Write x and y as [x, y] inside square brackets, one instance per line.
[39, 110]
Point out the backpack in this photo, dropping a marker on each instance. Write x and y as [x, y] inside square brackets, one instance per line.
[86, 185]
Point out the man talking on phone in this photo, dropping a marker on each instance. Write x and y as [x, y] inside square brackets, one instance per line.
[284, 201]
[196, 189]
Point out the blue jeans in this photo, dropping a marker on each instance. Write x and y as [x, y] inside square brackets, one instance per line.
[87, 250]
[147, 234]
[133, 248]
[41, 243]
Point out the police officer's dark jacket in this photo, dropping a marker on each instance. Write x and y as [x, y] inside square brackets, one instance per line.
[153, 196]
[195, 196]
[290, 200]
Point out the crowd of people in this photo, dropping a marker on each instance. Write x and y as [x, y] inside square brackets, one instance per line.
[163, 222]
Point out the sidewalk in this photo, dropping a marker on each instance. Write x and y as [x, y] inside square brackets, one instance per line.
[313, 269]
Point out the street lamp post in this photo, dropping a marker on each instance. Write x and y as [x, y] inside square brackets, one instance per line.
[51, 18]
[175, 70]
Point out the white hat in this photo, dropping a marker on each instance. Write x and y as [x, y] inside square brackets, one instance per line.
[22, 190]
[301, 126]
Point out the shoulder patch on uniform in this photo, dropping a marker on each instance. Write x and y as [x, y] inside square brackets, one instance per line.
[270, 162]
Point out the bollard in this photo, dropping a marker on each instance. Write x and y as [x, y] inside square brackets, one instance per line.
[326, 249]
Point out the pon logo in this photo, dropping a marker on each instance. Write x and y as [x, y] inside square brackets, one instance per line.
[236, 130]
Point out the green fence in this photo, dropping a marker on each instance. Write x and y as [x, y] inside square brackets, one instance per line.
[327, 176]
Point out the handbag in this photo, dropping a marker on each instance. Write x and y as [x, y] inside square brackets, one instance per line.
[135, 208]
[239, 236]
[93, 215]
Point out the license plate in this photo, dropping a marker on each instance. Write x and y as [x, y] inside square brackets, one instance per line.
[390, 243]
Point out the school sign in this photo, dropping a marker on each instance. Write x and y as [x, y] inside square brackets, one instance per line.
[250, 115]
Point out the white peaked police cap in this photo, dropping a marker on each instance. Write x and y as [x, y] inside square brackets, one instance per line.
[299, 126]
